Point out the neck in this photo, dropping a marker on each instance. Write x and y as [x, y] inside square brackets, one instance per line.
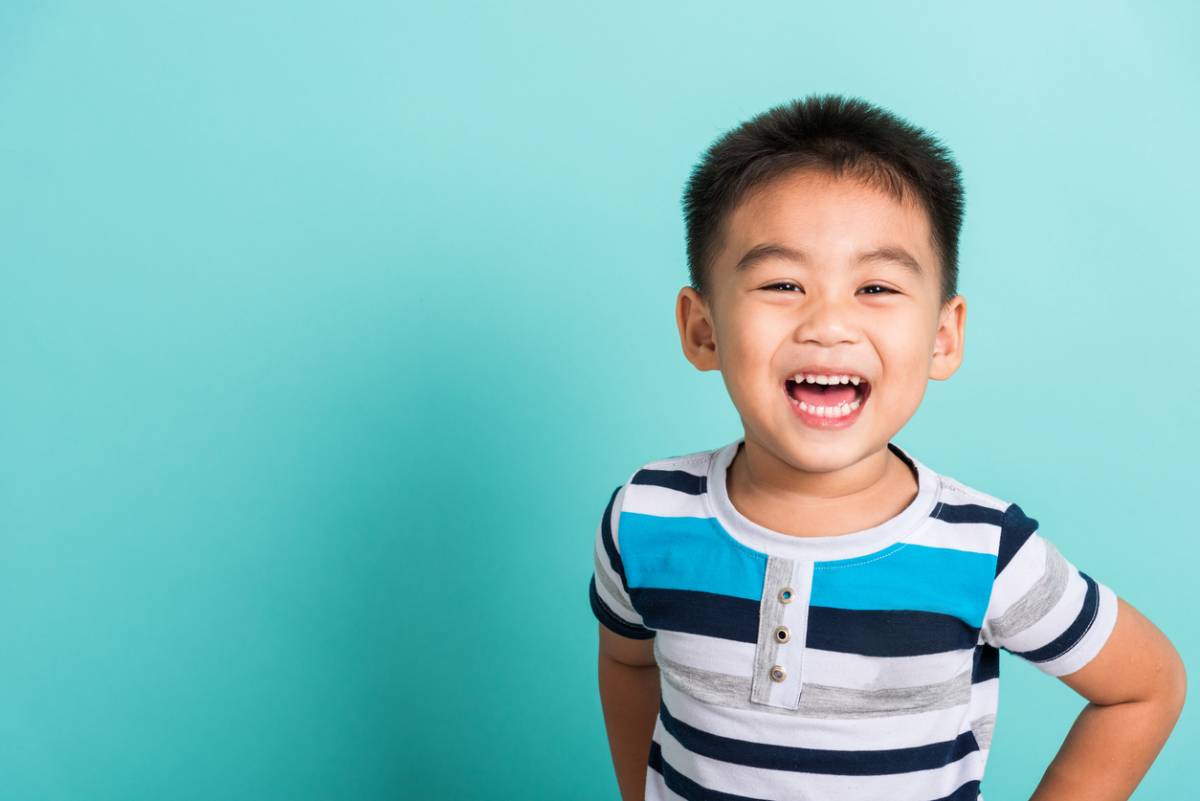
[779, 495]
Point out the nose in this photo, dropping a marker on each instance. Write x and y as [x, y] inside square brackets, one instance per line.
[825, 321]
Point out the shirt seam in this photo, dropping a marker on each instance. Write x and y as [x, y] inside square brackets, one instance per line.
[716, 523]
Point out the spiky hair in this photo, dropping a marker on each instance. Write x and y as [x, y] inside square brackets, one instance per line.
[841, 135]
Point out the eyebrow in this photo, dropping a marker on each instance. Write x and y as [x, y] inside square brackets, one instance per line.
[767, 250]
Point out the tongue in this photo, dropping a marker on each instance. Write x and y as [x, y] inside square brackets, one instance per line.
[824, 394]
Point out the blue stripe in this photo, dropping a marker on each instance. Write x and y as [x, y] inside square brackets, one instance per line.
[912, 577]
[688, 553]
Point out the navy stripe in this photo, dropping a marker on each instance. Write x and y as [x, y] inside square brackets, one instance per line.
[968, 513]
[697, 612]
[686, 788]
[678, 480]
[1066, 641]
[683, 786]
[869, 632]
[610, 545]
[987, 663]
[837, 762]
[609, 618]
[888, 632]
[1015, 531]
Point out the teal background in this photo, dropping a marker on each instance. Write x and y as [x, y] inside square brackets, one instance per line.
[327, 329]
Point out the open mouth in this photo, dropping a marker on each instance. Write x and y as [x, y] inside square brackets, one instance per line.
[828, 400]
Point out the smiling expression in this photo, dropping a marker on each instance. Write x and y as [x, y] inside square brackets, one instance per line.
[824, 274]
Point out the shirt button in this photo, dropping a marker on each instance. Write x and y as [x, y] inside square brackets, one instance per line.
[782, 634]
[785, 595]
[778, 673]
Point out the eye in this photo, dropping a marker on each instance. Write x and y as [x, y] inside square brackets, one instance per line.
[782, 284]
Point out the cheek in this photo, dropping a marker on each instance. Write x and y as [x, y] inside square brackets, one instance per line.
[750, 348]
[905, 352]
[910, 373]
[746, 363]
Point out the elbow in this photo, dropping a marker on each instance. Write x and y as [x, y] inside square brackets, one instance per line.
[1173, 687]
[1181, 683]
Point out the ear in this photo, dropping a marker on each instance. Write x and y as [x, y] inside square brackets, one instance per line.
[948, 342]
[694, 320]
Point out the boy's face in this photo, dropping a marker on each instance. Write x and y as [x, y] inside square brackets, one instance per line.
[826, 307]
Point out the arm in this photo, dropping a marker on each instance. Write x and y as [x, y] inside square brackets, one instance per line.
[629, 694]
[1135, 688]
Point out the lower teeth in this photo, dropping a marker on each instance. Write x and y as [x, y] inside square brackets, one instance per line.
[841, 410]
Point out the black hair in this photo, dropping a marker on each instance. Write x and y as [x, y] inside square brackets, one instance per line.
[836, 134]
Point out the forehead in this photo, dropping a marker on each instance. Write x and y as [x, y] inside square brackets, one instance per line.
[828, 219]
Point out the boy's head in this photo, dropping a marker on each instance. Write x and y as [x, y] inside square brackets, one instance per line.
[823, 234]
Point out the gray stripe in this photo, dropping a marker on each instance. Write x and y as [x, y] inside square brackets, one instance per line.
[1037, 602]
[770, 613]
[603, 577]
[818, 700]
[982, 729]
[839, 702]
[706, 685]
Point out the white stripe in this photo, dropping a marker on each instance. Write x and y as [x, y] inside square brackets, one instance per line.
[1090, 644]
[621, 606]
[1056, 620]
[973, 537]
[695, 463]
[985, 698]
[717, 654]
[955, 492]
[785, 785]
[649, 499]
[602, 561]
[1022, 572]
[855, 671]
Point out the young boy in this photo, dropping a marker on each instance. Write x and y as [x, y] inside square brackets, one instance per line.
[810, 612]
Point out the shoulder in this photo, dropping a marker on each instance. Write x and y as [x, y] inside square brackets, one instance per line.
[997, 524]
[686, 473]
[958, 493]
[695, 462]
[959, 502]
[673, 486]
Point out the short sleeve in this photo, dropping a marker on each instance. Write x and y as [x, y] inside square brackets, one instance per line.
[1042, 608]
[608, 589]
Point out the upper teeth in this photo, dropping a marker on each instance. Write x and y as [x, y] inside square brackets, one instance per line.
[813, 378]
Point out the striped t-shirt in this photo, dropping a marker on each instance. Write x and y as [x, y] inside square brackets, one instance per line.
[839, 668]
